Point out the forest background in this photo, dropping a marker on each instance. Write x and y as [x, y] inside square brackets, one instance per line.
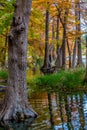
[57, 36]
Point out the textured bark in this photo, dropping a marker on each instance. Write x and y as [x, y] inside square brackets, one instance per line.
[15, 105]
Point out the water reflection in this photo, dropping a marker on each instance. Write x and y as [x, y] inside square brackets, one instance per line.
[56, 112]
[24, 125]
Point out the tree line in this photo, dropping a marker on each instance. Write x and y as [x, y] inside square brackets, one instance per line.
[57, 30]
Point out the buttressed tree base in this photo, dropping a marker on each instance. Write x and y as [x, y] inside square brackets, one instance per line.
[15, 105]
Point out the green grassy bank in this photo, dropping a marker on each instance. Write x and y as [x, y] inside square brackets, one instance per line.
[68, 80]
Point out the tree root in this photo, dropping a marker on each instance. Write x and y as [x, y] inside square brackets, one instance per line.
[10, 112]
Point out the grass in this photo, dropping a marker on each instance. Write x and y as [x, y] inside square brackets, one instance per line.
[63, 80]
[68, 80]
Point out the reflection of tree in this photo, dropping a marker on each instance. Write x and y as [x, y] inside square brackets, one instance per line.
[77, 112]
[80, 110]
[68, 112]
[60, 107]
[84, 102]
[24, 125]
[50, 110]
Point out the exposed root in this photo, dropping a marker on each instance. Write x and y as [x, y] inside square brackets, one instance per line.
[10, 112]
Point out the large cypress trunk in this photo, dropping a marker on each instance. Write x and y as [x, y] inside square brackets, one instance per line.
[15, 105]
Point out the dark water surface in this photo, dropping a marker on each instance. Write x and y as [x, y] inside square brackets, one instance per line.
[56, 112]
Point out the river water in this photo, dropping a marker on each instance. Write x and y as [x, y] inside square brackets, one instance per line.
[56, 112]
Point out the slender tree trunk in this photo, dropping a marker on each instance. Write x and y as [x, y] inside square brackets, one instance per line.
[78, 29]
[58, 50]
[69, 51]
[64, 48]
[64, 41]
[74, 55]
[53, 31]
[15, 105]
[46, 58]
[79, 62]
[58, 60]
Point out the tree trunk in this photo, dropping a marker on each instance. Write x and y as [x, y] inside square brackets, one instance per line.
[58, 60]
[53, 31]
[64, 39]
[69, 51]
[79, 62]
[64, 48]
[78, 30]
[15, 105]
[47, 66]
[46, 58]
[74, 54]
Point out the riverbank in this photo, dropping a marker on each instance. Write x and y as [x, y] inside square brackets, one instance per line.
[68, 80]
[63, 81]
